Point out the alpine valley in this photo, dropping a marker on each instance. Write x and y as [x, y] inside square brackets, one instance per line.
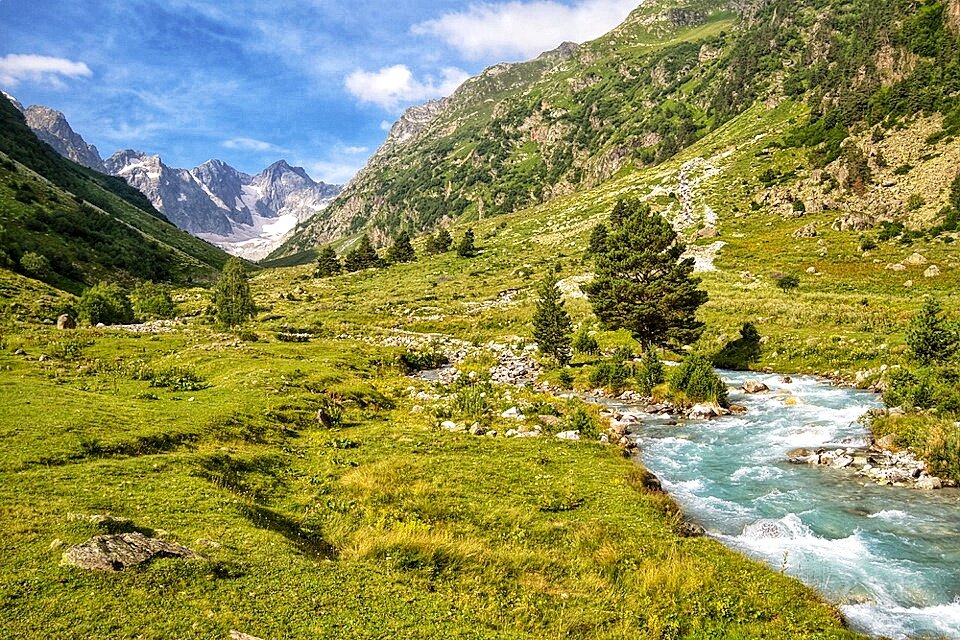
[245, 215]
[651, 336]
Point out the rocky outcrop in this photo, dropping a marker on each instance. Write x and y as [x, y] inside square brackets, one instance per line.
[52, 127]
[876, 463]
[122, 551]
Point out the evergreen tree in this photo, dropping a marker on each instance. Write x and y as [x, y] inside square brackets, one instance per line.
[598, 240]
[363, 256]
[328, 264]
[232, 301]
[642, 283]
[401, 250]
[466, 248]
[930, 336]
[439, 242]
[552, 327]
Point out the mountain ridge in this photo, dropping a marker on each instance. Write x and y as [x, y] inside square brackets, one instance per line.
[243, 214]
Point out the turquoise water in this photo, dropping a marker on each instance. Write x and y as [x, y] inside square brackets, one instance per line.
[888, 557]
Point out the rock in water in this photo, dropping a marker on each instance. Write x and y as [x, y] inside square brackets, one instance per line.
[120, 551]
[754, 386]
[66, 322]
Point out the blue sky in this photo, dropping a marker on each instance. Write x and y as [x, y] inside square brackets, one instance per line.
[315, 82]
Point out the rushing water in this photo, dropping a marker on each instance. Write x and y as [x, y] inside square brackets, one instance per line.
[888, 557]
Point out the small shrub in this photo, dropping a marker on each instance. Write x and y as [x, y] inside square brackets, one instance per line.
[583, 421]
[611, 375]
[177, 379]
[430, 357]
[787, 282]
[651, 372]
[867, 243]
[565, 378]
[152, 301]
[585, 343]
[696, 379]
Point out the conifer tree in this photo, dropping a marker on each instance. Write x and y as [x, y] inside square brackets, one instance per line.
[930, 336]
[466, 248]
[401, 250]
[328, 264]
[642, 283]
[363, 256]
[439, 242]
[232, 301]
[552, 327]
[598, 240]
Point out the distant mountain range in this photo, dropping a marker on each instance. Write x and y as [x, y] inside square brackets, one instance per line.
[245, 215]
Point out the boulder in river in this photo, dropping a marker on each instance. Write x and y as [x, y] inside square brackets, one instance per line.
[121, 551]
[754, 386]
[705, 411]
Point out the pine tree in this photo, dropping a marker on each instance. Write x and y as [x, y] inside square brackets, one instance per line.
[232, 301]
[930, 336]
[642, 283]
[466, 248]
[401, 250]
[439, 242]
[598, 240]
[328, 264]
[552, 327]
[363, 256]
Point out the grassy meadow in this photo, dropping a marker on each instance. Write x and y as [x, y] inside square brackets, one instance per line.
[318, 488]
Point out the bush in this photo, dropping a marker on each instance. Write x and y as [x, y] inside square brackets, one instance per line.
[651, 372]
[585, 343]
[610, 375]
[583, 421]
[787, 282]
[177, 379]
[867, 243]
[105, 303]
[696, 379]
[431, 357]
[35, 264]
[152, 302]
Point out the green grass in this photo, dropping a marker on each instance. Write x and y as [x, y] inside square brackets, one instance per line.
[385, 526]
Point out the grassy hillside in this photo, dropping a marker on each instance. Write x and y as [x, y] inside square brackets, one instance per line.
[522, 134]
[79, 226]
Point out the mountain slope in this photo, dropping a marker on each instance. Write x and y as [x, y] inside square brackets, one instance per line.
[71, 226]
[52, 127]
[671, 73]
[245, 215]
[519, 134]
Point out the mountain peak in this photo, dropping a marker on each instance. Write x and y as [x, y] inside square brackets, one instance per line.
[52, 127]
[13, 101]
[281, 167]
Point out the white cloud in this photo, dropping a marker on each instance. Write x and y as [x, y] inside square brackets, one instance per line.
[251, 144]
[332, 172]
[524, 29]
[395, 87]
[356, 150]
[16, 68]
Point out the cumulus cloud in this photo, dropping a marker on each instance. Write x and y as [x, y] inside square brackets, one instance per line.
[524, 29]
[395, 87]
[251, 144]
[16, 68]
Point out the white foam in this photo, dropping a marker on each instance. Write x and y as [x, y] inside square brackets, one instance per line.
[756, 473]
[889, 620]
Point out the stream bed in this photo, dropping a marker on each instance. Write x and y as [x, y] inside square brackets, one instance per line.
[888, 557]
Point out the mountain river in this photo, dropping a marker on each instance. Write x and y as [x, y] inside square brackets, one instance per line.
[888, 557]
